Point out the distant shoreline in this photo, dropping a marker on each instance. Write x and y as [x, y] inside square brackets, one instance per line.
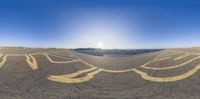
[102, 52]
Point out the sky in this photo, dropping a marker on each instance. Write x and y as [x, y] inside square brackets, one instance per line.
[108, 24]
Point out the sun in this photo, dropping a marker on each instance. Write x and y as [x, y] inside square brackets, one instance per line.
[100, 45]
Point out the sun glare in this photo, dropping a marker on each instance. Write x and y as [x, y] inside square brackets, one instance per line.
[100, 45]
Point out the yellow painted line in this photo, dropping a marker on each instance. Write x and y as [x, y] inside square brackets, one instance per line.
[92, 66]
[145, 76]
[146, 64]
[88, 64]
[70, 78]
[41, 53]
[73, 55]
[3, 60]
[157, 56]
[116, 71]
[161, 59]
[36, 54]
[63, 79]
[59, 62]
[60, 56]
[55, 52]
[157, 60]
[63, 62]
[182, 56]
[75, 74]
[173, 67]
[15, 54]
[33, 64]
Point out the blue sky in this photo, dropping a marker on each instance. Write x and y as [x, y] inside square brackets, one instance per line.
[100, 23]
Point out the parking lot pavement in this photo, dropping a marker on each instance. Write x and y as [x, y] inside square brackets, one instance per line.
[64, 74]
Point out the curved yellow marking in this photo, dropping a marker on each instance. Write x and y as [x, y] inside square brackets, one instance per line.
[33, 64]
[154, 60]
[41, 53]
[57, 54]
[3, 60]
[116, 71]
[157, 56]
[172, 67]
[70, 78]
[61, 56]
[182, 56]
[145, 76]
[161, 59]
[88, 64]
[59, 62]
[76, 73]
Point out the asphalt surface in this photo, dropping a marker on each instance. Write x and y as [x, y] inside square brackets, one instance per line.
[64, 74]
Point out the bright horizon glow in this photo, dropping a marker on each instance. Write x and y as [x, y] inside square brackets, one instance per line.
[123, 24]
[87, 30]
[101, 45]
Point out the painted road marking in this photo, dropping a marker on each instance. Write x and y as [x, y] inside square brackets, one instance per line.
[175, 66]
[67, 79]
[33, 64]
[59, 62]
[155, 60]
[182, 56]
[94, 70]
[3, 60]
[49, 54]
[167, 79]
[31, 60]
